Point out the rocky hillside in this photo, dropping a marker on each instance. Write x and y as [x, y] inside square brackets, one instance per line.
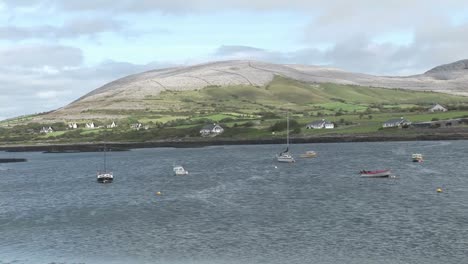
[131, 92]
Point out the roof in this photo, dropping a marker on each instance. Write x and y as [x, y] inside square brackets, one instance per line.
[209, 127]
[316, 123]
[396, 120]
[437, 105]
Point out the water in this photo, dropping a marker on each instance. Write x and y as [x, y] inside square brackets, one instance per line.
[236, 207]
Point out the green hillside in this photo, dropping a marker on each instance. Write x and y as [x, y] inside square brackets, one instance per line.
[284, 93]
[248, 112]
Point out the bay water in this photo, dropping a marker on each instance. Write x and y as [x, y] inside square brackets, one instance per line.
[238, 205]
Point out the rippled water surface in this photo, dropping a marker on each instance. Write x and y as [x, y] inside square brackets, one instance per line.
[235, 206]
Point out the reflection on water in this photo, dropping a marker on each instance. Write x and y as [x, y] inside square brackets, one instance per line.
[238, 206]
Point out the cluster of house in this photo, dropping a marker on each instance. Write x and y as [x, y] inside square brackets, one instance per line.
[213, 130]
[46, 130]
[90, 125]
[402, 122]
[138, 126]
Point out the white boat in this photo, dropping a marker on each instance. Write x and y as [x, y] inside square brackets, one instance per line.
[417, 157]
[375, 174]
[285, 156]
[179, 170]
[104, 176]
[309, 154]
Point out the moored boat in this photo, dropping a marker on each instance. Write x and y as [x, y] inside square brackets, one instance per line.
[285, 156]
[104, 176]
[179, 170]
[375, 173]
[309, 154]
[417, 157]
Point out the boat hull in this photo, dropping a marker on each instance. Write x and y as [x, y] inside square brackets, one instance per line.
[285, 159]
[180, 171]
[309, 154]
[105, 180]
[376, 174]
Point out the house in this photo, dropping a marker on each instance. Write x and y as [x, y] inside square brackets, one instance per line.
[211, 130]
[112, 125]
[72, 126]
[136, 126]
[90, 125]
[438, 108]
[398, 122]
[319, 124]
[438, 123]
[46, 130]
[329, 125]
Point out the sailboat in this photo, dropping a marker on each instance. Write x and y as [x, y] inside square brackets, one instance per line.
[105, 176]
[285, 156]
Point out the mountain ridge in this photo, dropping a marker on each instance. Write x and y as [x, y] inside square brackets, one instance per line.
[128, 92]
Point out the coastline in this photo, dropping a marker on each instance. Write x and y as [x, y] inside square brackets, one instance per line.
[202, 142]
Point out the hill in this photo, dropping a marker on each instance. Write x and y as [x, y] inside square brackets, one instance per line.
[132, 92]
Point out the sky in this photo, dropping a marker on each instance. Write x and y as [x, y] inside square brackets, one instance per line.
[54, 51]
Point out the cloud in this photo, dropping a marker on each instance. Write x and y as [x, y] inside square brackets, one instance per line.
[29, 56]
[380, 37]
[331, 11]
[442, 43]
[32, 87]
[49, 94]
[71, 29]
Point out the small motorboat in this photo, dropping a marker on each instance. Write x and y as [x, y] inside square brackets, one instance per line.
[417, 157]
[309, 154]
[179, 170]
[375, 173]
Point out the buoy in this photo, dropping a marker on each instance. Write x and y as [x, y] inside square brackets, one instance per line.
[276, 167]
[439, 190]
[158, 193]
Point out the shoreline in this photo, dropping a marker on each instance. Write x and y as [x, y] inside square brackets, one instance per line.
[181, 143]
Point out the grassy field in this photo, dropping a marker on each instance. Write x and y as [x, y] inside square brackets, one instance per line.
[250, 112]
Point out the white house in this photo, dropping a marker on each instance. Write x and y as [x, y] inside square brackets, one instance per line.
[438, 108]
[46, 130]
[90, 125]
[136, 126]
[398, 122]
[319, 124]
[72, 126]
[329, 125]
[211, 130]
[112, 125]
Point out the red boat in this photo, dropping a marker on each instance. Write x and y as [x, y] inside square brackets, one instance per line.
[375, 173]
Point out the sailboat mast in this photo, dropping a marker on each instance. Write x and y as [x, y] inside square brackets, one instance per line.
[287, 130]
[105, 168]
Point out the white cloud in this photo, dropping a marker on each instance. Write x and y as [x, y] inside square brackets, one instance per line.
[33, 56]
[47, 94]
[33, 88]
[41, 70]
